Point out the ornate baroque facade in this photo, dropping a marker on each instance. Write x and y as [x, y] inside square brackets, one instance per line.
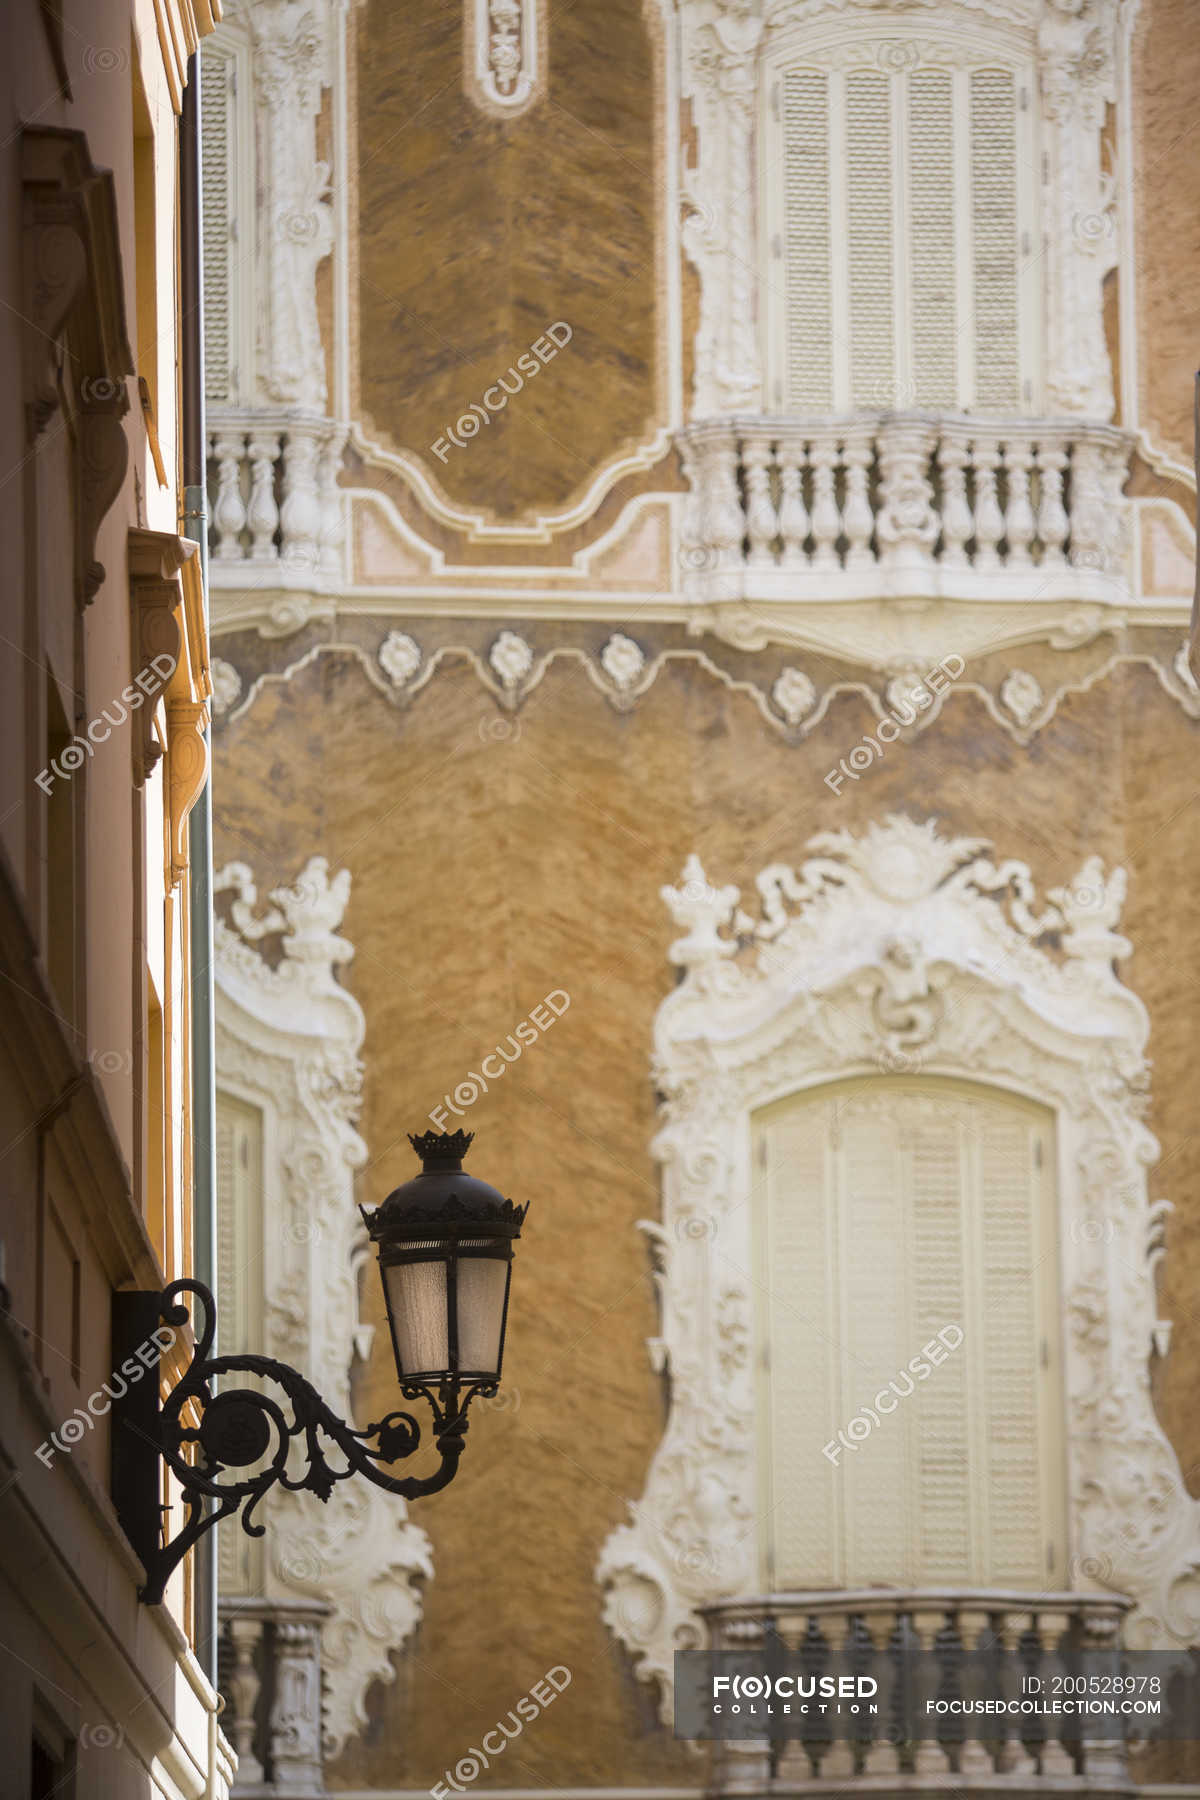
[756, 433]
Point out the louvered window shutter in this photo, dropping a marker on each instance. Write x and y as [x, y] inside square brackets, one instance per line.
[217, 126]
[897, 204]
[806, 175]
[888, 1217]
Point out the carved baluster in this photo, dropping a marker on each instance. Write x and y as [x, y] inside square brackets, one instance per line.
[1018, 522]
[793, 514]
[907, 527]
[1013, 1758]
[975, 1631]
[296, 1713]
[333, 512]
[957, 523]
[747, 1761]
[826, 517]
[1089, 524]
[838, 1760]
[725, 523]
[989, 521]
[1114, 470]
[694, 553]
[244, 1688]
[300, 516]
[762, 525]
[229, 509]
[1052, 522]
[1054, 1628]
[858, 521]
[882, 1756]
[262, 514]
[1103, 1759]
[794, 1765]
[929, 1757]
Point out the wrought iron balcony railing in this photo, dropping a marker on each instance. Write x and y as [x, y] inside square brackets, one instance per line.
[908, 505]
[971, 1638]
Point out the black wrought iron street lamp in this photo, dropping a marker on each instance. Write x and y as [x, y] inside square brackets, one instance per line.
[445, 1253]
[445, 1242]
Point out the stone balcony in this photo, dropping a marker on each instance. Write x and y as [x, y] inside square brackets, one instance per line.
[276, 514]
[910, 506]
[270, 1664]
[964, 1633]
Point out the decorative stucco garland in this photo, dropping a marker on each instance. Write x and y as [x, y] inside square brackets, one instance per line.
[623, 673]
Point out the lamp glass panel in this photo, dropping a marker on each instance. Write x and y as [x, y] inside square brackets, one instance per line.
[416, 1293]
[481, 1286]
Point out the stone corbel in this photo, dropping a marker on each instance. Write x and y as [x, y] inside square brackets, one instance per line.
[187, 772]
[76, 346]
[103, 460]
[156, 597]
[167, 597]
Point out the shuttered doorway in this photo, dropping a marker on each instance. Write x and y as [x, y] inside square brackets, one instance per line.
[889, 1212]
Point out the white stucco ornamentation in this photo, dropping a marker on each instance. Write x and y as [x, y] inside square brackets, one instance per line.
[227, 686]
[794, 694]
[288, 1040]
[292, 63]
[878, 947]
[511, 658]
[1076, 46]
[504, 53]
[399, 657]
[1022, 693]
[622, 661]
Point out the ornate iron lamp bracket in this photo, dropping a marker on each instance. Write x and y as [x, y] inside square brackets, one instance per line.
[207, 1436]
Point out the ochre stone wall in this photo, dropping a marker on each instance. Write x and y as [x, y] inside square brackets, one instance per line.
[496, 858]
[1166, 80]
[476, 233]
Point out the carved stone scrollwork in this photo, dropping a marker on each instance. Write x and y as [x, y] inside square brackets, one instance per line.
[292, 63]
[899, 939]
[288, 1041]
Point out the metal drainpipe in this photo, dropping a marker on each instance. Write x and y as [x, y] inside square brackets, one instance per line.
[193, 435]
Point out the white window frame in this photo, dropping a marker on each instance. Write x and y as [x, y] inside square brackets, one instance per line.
[878, 952]
[288, 1037]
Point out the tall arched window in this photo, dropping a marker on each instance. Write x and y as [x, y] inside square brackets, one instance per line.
[899, 183]
[910, 1384]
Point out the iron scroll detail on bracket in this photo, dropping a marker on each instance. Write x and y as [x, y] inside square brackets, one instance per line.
[204, 1435]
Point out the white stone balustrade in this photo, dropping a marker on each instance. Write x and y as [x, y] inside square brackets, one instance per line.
[867, 1631]
[271, 1681]
[276, 514]
[904, 504]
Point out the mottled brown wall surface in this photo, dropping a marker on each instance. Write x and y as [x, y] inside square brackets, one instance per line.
[1166, 76]
[477, 233]
[495, 859]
